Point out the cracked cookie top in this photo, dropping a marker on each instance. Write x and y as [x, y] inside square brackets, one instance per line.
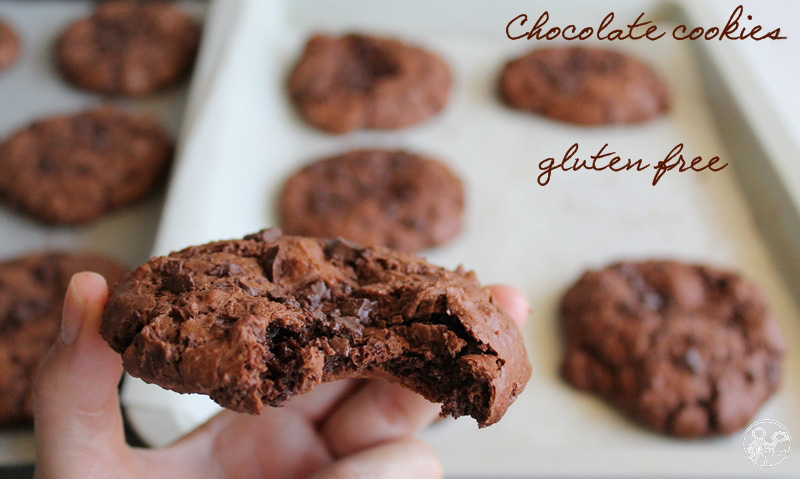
[72, 169]
[588, 86]
[687, 350]
[253, 322]
[129, 48]
[389, 198]
[352, 82]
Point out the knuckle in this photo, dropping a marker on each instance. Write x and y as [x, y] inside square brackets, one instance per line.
[397, 408]
[342, 470]
[433, 465]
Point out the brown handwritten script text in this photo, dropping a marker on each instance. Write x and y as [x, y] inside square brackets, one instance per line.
[605, 159]
[734, 29]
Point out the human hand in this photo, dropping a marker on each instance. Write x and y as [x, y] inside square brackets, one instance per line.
[346, 429]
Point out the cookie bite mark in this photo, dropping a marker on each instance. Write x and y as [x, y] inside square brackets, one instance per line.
[129, 48]
[262, 319]
[687, 350]
[353, 82]
[375, 197]
[587, 86]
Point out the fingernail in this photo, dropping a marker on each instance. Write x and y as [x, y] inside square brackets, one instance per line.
[72, 316]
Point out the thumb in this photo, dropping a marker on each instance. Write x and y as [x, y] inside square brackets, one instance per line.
[77, 418]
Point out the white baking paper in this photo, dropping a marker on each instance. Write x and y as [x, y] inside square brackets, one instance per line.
[246, 138]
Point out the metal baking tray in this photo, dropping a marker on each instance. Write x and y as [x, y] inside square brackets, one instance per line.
[31, 89]
[241, 138]
[245, 138]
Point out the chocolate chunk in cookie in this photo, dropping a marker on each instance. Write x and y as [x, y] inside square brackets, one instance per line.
[32, 292]
[9, 45]
[588, 86]
[687, 350]
[375, 197]
[354, 82]
[72, 169]
[253, 322]
[129, 48]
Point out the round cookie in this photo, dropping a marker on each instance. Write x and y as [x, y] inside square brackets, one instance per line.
[354, 82]
[375, 197]
[254, 322]
[32, 292]
[72, 169]
[687, 350]
[128, 48]
[588, 86]
[9, 45]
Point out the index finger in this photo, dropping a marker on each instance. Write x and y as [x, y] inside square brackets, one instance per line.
[512, 301]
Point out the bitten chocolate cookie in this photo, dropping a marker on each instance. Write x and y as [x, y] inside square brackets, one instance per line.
[687, 350]
[32, 292]
[9, 45]
[129, 48]
[588, 86]
[72, 169]
[253, 322]
[375, 197]
[357, 82]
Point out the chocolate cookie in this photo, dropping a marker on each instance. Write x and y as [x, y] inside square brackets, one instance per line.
[9, 46]
[129, 48]
[32, 292]
[581, 85]
[72, 169]
[687, 350]
[357, 82]
[253, 322]
[375, 197]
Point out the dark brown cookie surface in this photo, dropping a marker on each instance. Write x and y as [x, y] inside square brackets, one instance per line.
[129, 48]
[375, 197]
[358, 82]
[588, 86]
[684, 349]
[9, 45]
[32, 292]
[256, 321]
[71, 169]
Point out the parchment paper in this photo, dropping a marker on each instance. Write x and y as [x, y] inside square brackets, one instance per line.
[246, 139]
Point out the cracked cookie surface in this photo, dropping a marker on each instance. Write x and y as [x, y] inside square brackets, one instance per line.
[32, 289]
[72, 169]
[354, 82]
[588, 86]
[253, 322]
[688, 350]
[375, 197]
[129, 48]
